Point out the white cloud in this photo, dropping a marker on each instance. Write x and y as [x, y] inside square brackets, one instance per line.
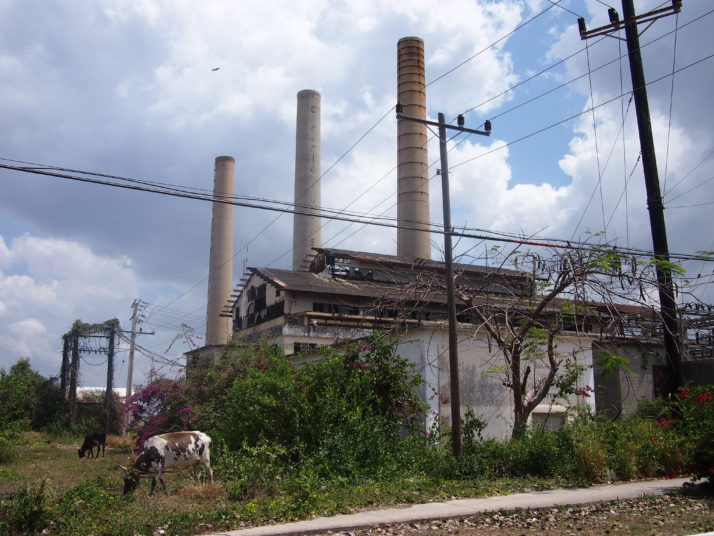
[126, 87]
[60, 281]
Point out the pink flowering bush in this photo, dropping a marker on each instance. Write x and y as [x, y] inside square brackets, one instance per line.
[193, 403]
[160, 407]
[690, 415]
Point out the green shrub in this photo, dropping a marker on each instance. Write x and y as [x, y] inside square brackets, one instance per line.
[690, 415]
[591, 460]
[7, 453]
[26, 511]
[97, 493]
[251, 472]
[345, 415]
[540, 452]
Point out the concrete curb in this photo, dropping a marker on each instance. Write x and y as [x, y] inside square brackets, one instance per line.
[463, 508]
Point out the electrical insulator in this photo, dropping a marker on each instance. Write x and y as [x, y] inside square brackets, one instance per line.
[399, 108]
[460, 120]
[487, 126]
[614, 17]
[581, 25]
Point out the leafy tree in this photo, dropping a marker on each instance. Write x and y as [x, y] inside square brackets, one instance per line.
[28, 400]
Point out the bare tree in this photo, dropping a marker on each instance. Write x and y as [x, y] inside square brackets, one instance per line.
[597, 292]
[528, 299]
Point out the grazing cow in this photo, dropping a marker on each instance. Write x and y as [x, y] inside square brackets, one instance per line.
[178, 450]
[94, 439]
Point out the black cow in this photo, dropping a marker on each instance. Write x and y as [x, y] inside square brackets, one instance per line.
[94, 439]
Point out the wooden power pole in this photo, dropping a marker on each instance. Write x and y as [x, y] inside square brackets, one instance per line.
[455, 394]
[655, 206]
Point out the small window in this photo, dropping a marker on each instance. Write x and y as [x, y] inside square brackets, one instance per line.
[548, 421]
[303, 346]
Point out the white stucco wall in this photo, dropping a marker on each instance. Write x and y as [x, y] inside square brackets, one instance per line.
[481, 387]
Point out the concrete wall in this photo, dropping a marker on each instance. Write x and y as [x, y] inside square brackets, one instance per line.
[619, 393]
[481, 387]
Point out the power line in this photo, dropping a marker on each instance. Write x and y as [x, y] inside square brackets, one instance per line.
[390, 110]
[435, 228]
[574, 116]
[564, 8]
[597, 149]
[575, 79]
[386, 113]
[691, 189]
[525, 81]
[689, 173]
[492, 44]
[671, 103]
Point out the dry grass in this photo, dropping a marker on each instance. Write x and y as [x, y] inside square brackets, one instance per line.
[208, 491]
[115, 441]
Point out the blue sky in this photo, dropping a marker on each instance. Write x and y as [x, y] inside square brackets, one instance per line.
[127, 87]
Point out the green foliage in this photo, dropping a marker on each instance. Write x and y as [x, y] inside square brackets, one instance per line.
[634, 448]
[612, 363]
[26, 511]
[690, 415]
[539, 453]
[608, 261]
[251, 472]
[266, 403]
[342, 415]
[472, 428]
[565, 383]
[667, 266]
[29, 401]
[7, 454]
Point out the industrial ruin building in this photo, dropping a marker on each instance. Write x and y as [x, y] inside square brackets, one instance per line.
[331, 296]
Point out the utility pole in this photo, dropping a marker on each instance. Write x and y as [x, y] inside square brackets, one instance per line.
[655, 206]
[132, 345]
[73, 375]
[455, 393]
[138, 304]
[109, 392]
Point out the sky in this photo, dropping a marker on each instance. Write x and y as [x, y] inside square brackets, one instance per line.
[154, 90]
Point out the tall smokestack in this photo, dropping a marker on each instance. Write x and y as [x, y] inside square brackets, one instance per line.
[306, 229]
[220, 270]
[412, 157]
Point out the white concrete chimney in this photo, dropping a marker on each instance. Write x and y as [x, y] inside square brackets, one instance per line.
[412, 156]
[306, 229]
[220, 270]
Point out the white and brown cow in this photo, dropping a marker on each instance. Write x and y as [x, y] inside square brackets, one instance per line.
[179, 450]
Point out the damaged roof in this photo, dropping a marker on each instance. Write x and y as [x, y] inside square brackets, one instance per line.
[322, 284]
[415, 262]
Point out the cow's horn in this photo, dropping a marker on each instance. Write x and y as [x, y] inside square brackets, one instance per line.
[124, 469]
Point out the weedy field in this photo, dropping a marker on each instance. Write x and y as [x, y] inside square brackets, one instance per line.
[48, 490]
